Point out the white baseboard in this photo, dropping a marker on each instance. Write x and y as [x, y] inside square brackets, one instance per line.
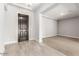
[10, 42]
[50, 36]
[68, 36]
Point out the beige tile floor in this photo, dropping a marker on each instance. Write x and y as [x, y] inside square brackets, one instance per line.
[30, 48]
[68, 46]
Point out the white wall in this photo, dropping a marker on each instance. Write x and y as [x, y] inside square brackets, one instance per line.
[48, 27]
[36, 21]
[44, 27]
[1, 28]
[69, 27]
[11, 24]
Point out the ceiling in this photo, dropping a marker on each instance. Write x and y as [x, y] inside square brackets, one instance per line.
[56, 11]
[62, 11]
[35, 5]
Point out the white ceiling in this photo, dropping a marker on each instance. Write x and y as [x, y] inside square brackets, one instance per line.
[62, 10]
[35, 5]
[56, 11]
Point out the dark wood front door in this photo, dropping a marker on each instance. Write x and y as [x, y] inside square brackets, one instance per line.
[23, 21]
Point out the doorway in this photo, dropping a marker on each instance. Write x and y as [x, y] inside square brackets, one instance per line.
[23, 27]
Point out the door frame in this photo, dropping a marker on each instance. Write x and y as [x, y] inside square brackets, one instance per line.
[27, 25]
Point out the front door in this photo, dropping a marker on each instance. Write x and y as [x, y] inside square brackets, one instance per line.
[23, 21]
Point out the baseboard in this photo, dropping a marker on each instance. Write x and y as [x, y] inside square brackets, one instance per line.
[49, 36]
[68, 36]
[11, 42]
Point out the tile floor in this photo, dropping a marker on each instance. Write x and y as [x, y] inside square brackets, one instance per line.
[30, 48]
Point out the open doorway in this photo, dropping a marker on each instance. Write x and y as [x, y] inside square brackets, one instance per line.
[23, 27]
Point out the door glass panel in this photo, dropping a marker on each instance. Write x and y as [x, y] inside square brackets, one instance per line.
[23, 27]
